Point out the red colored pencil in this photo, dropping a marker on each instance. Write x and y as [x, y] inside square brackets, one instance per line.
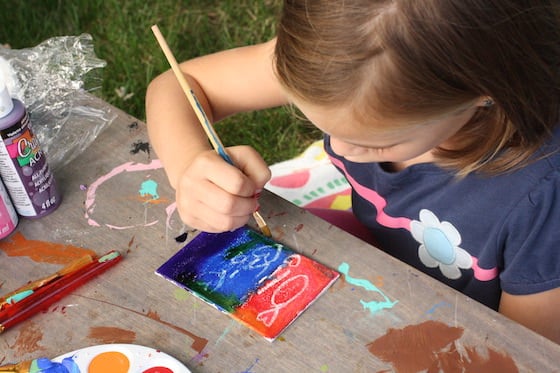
[53, 292]
[8, 299]
[44, 291]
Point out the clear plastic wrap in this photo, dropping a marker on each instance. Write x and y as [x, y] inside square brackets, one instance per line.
[54, 80]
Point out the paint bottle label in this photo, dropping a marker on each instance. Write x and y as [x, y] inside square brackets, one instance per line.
[8, 215]
[25, 172]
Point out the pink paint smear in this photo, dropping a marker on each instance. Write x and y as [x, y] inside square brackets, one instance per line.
[126, 167]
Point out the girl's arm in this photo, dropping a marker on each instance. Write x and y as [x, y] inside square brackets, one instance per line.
[212, 195]
[225, 83]
[539, 312]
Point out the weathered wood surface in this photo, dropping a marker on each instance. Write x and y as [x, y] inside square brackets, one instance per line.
[424, 324]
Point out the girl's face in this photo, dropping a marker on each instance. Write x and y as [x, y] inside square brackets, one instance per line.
[385, 141]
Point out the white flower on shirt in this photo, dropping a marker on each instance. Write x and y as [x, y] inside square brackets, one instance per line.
[439, 245]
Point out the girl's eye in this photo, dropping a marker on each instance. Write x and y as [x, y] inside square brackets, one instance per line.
[382, 148]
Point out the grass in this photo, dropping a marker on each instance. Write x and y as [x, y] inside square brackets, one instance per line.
[122, 37]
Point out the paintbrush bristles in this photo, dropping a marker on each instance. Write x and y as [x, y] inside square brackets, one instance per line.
[262, 224]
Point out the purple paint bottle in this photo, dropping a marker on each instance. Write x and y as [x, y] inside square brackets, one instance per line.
[23, 165]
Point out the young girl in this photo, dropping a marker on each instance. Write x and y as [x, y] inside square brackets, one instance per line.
[442, 114]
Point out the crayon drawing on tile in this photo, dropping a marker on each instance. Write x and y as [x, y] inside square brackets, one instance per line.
[256, 280]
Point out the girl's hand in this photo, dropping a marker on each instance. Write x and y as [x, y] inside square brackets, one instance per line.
[214, 196]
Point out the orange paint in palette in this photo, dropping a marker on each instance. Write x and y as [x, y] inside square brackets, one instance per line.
[120, 358]
[110, 361]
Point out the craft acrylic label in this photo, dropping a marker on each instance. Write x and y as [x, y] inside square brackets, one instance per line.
[25, 172]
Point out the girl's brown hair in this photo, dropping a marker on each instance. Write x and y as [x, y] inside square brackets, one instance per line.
[412, 59]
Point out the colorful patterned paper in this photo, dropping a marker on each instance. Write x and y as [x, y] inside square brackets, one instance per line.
[256, 280]
[310, 180]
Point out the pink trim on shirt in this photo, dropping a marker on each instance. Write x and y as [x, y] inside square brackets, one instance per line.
[482, 274]
[373, 197]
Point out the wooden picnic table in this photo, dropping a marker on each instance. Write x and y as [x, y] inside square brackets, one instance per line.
[383, 317]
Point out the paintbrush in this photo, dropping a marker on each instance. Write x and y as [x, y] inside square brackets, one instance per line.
[201, 115]
[55, 290]
[28, 289]
[41, 365]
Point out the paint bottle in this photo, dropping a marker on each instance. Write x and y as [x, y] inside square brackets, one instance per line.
[8, 216]
[23, 165]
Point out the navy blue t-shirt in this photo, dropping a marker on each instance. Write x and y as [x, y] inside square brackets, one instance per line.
[480, 234]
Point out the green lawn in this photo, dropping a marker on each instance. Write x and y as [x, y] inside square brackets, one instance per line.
[122, 37]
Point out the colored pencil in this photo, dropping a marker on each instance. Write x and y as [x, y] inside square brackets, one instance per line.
[54, 291]
[201, 115]
[21, 292]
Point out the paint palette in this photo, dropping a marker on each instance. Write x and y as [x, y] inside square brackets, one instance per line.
[254, 279]
[120, 358]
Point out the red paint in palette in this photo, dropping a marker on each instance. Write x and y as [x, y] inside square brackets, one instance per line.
[158, 370]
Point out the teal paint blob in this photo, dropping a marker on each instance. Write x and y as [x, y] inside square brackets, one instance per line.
[149, 188]
[19, 296]
[372, 306]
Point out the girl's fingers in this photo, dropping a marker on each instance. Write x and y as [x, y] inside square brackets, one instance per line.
[251, 164]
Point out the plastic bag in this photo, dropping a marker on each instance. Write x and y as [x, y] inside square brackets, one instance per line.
[53, 80]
